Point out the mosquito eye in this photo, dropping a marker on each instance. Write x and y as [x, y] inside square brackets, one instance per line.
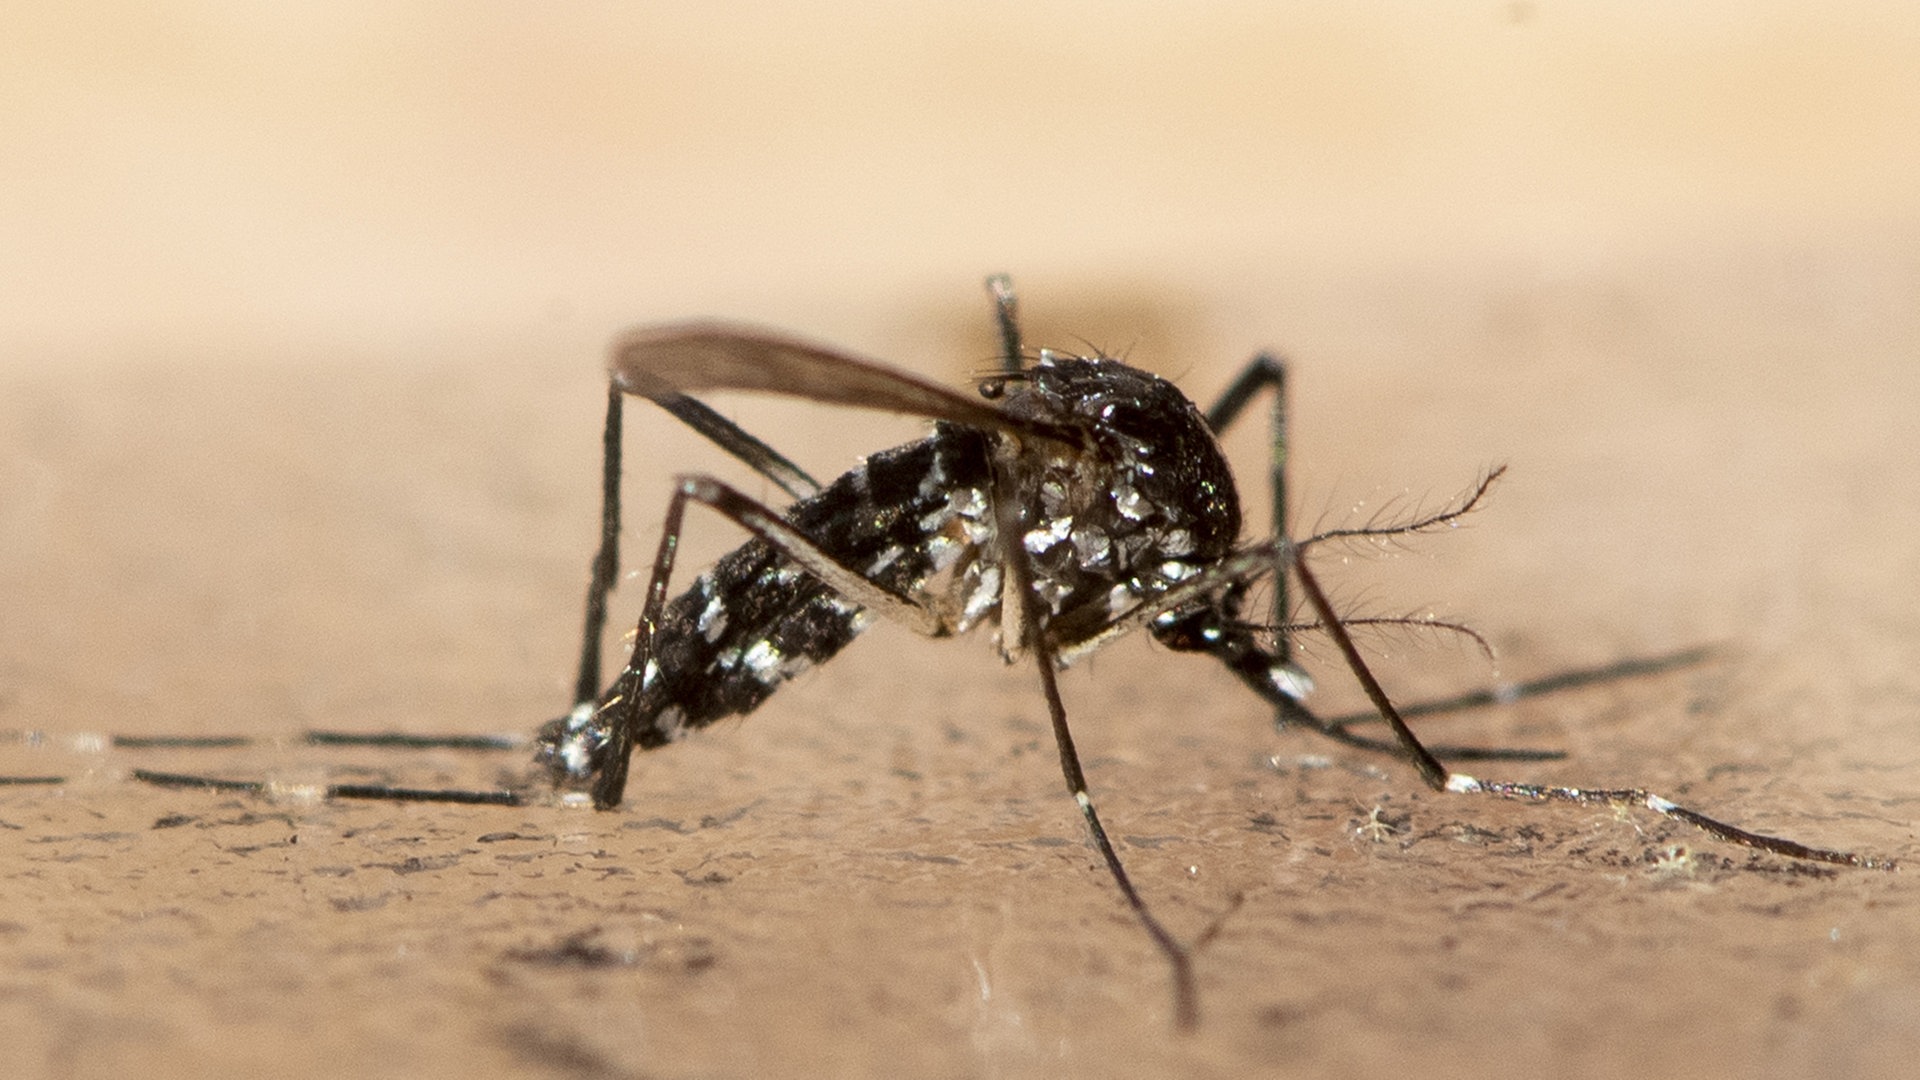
[993, 389]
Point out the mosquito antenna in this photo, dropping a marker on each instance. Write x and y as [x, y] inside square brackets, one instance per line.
[1447, 515]
[1386, 622]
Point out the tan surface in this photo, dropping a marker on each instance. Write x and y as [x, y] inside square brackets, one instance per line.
[297, 416]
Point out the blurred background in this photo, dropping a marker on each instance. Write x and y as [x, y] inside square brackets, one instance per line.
[222, 178]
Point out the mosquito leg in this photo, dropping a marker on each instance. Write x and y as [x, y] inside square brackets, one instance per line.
[1565, 680]
[178, 742]
[622, 701]
[1271, 672]
[98, 743]
[1286, 685]
[604, 574]
[1289, 683]
[329, 791]
[735, 440]
[1440, 778]
[1186, 1006]
[1266, 371]
[435, 795]
[407, 741]
[206, 783]
[389, 739]
[606, 569]
[606, 561]
[1006, 313]
[1033, 627]
[625, 695]
[767, 524]
[1033, 632]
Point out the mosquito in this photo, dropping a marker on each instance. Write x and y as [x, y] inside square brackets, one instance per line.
[1069, 502]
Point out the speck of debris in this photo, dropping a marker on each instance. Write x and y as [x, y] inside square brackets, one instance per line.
[1264, 822]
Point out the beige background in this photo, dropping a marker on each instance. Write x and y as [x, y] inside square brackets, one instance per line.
[301, 313]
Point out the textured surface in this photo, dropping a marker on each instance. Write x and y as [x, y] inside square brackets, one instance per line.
[298, 423]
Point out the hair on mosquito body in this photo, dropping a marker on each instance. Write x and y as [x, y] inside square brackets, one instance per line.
[1066, 503]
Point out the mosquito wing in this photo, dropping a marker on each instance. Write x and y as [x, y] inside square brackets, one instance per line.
[665, 362]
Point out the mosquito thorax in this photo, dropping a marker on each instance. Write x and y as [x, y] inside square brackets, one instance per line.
[1148, 503]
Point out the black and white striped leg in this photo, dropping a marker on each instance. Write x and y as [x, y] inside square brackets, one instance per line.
[621, 703]
[606, 560]
[723, 433]
[1266, 371]
[1440, 778]
[1032, 633]
[1271, 671]
[1012, 522]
